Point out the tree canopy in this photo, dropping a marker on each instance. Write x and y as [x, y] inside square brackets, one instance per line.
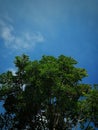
[47, 94]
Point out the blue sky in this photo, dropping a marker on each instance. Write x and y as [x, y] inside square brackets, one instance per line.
[50, 27]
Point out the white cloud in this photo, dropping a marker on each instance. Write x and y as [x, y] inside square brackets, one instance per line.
[6, 34]
[12, 70]
[25, 40]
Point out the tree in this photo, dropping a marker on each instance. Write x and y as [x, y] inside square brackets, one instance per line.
[47, 94]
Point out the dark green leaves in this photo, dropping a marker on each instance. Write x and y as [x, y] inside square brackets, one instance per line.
[43, 93]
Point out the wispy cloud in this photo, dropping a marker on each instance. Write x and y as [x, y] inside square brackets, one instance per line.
[23, 40]
[12, 70]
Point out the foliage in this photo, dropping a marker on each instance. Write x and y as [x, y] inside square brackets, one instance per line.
[47, 95]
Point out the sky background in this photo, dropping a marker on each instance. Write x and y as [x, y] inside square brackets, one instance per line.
[50, 27]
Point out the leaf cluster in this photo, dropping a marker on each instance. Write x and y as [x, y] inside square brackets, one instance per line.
[47, 94]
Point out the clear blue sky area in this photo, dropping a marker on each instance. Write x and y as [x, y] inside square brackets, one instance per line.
[50, 27]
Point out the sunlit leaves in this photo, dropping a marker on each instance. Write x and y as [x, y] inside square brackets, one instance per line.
[51, 88]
